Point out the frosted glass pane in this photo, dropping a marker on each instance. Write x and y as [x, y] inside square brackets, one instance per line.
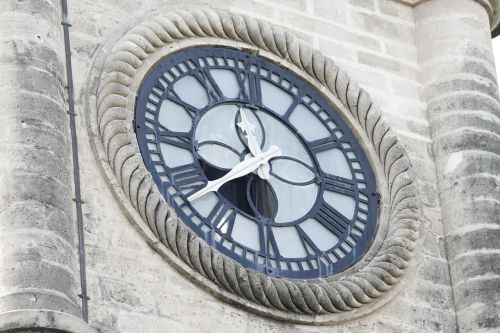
[293, 201]
[275, 98]
[219, 125]
[323, 238]
[290, 170]
[218, 156]
[190, 90]
[289, 243]
[334, 162]
[227, 82]
[308, 124]
[175, 156]
[280, 135]
[246, 232]
[344, 204]
[174, 117]
[205, 204]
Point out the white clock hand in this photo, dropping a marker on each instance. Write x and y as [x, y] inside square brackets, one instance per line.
[249, 130]
[243, 168]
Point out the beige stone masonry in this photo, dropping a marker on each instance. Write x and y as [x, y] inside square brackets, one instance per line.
[460, 87]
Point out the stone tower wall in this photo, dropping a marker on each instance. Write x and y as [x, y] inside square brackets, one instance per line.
[459, 86]
[38, 278]
[391, 48]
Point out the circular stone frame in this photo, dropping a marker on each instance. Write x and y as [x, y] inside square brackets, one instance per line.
[113, 85]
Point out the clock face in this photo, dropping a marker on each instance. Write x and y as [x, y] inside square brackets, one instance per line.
[256, 163]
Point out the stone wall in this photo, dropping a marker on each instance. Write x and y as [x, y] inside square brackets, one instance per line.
[459, 85]
[38, 255]
[132, 289]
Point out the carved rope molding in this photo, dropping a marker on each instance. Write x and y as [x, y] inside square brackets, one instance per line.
[117, 142]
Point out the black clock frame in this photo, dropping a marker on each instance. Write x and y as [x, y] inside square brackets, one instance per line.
[327, 262]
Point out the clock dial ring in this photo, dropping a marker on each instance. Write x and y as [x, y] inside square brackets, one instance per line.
[323, 269]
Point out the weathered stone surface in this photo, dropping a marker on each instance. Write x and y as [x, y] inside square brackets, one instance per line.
[37, 280]
[464, 112]
[132, 288]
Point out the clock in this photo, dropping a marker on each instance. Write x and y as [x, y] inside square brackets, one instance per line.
[256, 162]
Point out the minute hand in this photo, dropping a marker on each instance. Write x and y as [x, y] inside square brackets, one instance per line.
[243, 168]
[253, 145]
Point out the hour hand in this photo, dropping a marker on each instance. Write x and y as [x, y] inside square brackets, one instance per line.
[239, 170]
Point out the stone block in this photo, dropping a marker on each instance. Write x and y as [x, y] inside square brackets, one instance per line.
[426, 319]
[137, 297]
[395, 9]
[479, 317]
[431, 295]
[433, 244]
[469, 139]
[365, 4]
[322, 28]
[472, 240]
[480, 264]
[387, 64]
[335, 11]
[131, 322]
[469, 292]
[335, 50]
[434, 270]
[383, 28]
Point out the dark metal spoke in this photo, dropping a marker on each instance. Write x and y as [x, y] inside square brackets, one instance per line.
[340, 185]
[321, 145]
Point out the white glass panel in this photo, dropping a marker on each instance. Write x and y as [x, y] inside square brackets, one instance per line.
[205, 204]
[219, 156]
[219, 125]
[174, 117]
[291, 170]
[275, 98]
[227, 82]
[191, 91]
[344, 204]
[308, 124]
[175, 156]
[293, 201]
[334, 162]
[282, 136]
[289, 243]
[323, 238]
[246, 232]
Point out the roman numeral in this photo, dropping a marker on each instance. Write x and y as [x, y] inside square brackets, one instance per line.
[340, 185]
[268, 243]
[250, 85]
[331, 219]
[188, 178]
[208, 82]
[179, 139]
[308, 244]
[171, 95]
[320, 145]
[297, 99]
[220, 215]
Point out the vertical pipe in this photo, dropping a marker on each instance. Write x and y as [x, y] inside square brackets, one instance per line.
[460, 88]
[76, 164]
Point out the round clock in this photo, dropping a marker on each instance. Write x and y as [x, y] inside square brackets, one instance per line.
[256, 162]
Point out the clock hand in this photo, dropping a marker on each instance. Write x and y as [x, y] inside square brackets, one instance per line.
[254, 147]
[243, 168]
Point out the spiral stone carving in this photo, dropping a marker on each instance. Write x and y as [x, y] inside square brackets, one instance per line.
[111, 122]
